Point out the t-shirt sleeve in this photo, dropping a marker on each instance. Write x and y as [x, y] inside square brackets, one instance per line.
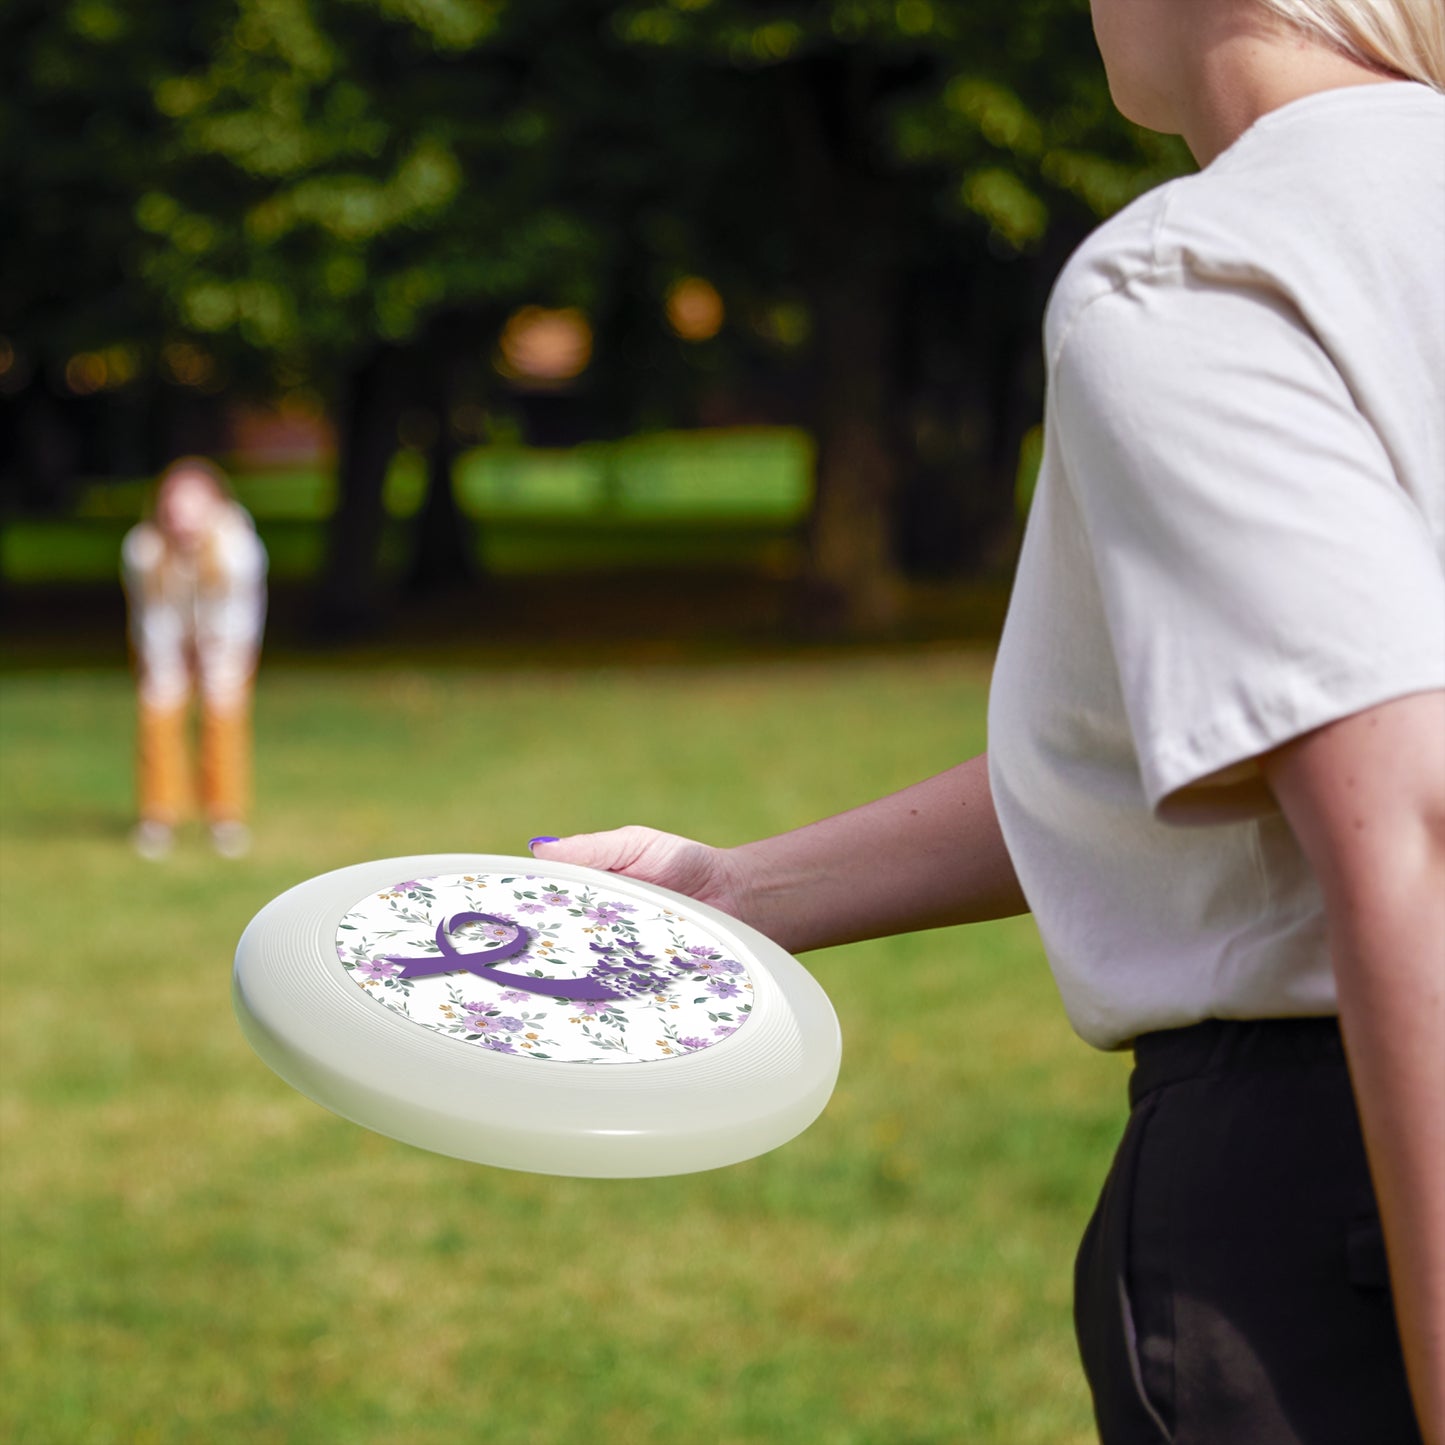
[1263, 570]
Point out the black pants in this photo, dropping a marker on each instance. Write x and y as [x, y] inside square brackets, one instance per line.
[1231, 1288]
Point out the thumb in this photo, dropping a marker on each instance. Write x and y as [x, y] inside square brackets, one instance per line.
[611, 852]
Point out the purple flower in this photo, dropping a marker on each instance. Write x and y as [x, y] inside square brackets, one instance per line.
[602, 913]
[376, 969]
[702, 950]
[694, 1043]
[723, 1030]
[530, 908]
[721, 988]
[556, 899]
[515, 995]
[410, 886]
[508, 1024]
[729, 966]
[500, 1046]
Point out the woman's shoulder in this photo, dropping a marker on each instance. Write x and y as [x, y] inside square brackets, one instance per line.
[238, 548]
[142, 549]
[1336, 193]
[1117, 253]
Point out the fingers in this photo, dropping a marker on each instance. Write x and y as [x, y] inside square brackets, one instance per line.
[613, 851]
[650, 856]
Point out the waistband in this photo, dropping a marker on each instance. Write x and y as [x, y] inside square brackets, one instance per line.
[1225, 1046]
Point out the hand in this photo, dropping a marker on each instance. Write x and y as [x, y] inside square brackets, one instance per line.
[928, 857]
[708, 874]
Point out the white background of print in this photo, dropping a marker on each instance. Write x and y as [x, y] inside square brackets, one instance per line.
[702, 997]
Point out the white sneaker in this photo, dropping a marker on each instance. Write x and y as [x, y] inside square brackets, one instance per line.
[231, 839]
[152, 840]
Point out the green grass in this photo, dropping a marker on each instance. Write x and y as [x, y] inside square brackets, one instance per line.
[193, 1252]
[678, 499]
[85, 550]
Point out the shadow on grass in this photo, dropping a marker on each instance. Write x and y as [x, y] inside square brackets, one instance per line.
[60, 824]
[565, 621]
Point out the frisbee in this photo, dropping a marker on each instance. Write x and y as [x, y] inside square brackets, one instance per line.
[536, 1015]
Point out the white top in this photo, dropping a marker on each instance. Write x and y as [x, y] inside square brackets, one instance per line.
[190, 615]
[1238, 536]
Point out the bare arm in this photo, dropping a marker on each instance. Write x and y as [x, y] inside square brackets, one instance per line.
[926, 857]
[929, 856]
[1366, 799]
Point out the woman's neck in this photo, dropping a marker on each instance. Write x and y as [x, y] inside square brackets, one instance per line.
[1244, 69]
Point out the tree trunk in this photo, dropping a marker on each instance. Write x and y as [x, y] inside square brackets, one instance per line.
[851, 554]
[851, 266]
[351, 600]
[442, 557]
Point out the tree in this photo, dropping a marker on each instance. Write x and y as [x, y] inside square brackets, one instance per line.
[352, 195]
[79, 139]
[921, 142]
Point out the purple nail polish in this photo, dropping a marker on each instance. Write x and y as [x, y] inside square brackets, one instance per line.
[544, 839]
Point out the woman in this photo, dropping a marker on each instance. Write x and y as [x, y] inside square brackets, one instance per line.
[195, 583]
[1217, 758]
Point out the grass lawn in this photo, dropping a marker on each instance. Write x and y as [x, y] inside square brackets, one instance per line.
[192, 1252]
[682, 499]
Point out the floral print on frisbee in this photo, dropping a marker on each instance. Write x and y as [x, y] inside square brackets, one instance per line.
[489, 1008]
[544, 968]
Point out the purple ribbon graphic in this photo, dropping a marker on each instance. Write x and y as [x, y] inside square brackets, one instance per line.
[450, 961]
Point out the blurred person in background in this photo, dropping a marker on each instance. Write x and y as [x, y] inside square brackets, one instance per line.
[1216, 767]
[195, 583]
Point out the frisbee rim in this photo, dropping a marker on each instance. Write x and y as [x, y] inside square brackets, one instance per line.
[742, 1096]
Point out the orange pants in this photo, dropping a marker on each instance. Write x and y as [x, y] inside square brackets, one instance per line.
[163, 762]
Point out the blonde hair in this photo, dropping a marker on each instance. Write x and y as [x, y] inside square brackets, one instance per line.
[210, 572]
[1404, 37]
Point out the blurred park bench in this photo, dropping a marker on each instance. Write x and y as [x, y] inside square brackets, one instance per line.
[728, 498]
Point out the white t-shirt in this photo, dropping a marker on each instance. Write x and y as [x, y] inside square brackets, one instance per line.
[1238, 536]
[189, 628]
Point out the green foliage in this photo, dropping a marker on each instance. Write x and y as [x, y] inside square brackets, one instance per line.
[1003, 105]
[192, 1251]
[298, 178]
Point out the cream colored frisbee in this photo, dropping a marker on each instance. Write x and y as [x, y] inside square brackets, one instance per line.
[535, 1015]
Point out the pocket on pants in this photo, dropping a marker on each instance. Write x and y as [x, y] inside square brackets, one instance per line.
[1105, 1319]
